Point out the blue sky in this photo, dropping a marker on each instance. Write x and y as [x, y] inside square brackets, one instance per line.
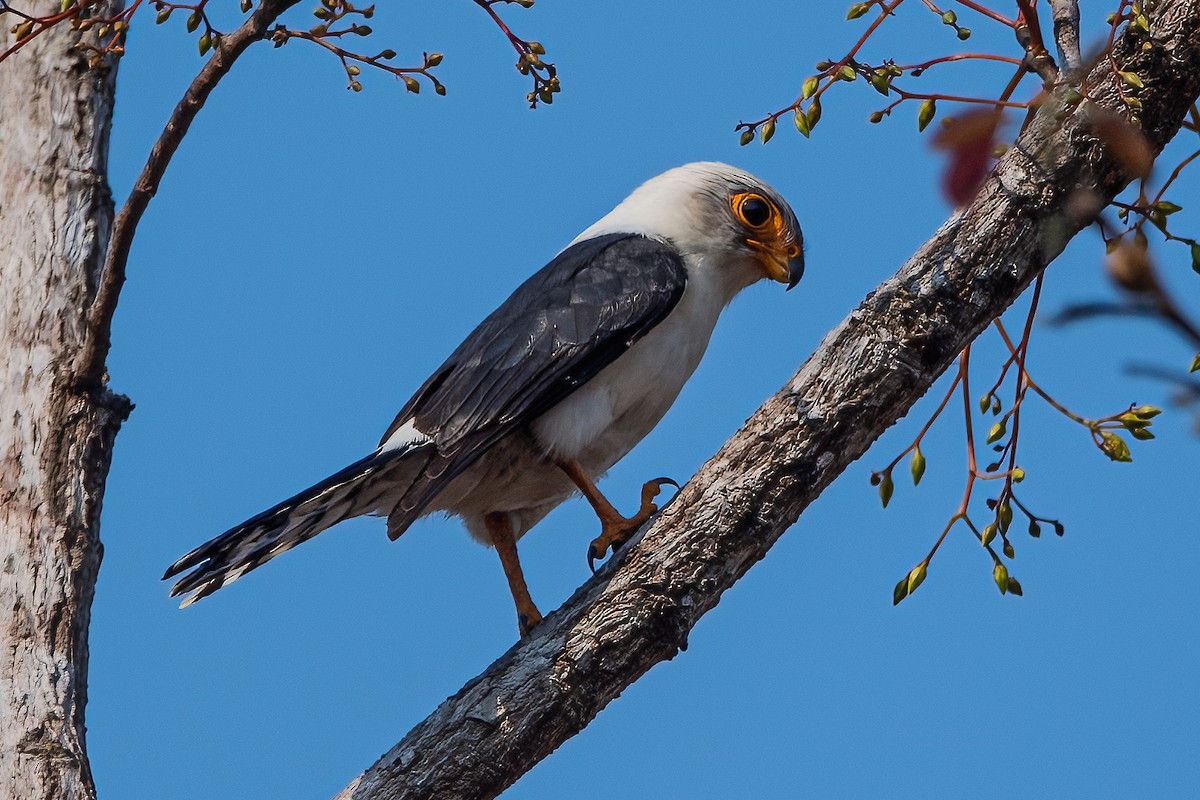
[313, 254]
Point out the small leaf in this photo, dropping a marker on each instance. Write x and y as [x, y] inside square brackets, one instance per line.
[1114, 446]
[886, 487]
[900, 592]
[1059, 530]
[1147, 412]
[1141, 434]
[1000, 576]
[918, 466]
[925, 114]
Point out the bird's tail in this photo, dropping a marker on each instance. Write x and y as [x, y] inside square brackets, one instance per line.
[361, 488]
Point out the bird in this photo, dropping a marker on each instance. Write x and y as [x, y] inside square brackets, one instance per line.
[553, 388]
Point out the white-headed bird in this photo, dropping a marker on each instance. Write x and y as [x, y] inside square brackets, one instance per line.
[554, 387]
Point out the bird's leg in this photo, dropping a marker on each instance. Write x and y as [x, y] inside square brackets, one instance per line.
[615, 529]
[500, 528]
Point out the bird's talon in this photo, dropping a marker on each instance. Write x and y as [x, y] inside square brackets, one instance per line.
[528, 621]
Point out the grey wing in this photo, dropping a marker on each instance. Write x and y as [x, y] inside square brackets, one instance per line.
[558, 330]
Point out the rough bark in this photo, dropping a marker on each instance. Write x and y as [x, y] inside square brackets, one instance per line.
[865, 375]
[55, 438]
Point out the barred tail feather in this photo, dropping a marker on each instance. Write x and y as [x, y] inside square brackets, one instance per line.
[352, 491]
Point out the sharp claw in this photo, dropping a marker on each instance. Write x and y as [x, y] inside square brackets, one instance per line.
[592, 556]
[661, 481]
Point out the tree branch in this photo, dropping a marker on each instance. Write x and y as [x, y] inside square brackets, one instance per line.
[865, 375]
[225, 52]
[1065, 14]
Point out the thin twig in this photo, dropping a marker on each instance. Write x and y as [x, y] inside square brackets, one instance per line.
[225, 53]
[1065, 14]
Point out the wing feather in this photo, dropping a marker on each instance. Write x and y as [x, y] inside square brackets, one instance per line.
[558, 330]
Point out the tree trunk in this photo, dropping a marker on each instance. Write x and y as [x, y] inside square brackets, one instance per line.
[56, 436]
[1065, 167]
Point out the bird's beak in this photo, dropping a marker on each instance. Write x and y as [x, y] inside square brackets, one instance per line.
[783, 262]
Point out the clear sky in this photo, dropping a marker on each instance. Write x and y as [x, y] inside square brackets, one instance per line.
[313, 254]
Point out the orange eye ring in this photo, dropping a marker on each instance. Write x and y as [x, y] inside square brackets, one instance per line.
[753, 210]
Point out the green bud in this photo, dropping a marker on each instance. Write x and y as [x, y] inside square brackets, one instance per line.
[1195, 363]
[916, 577]
[433, 59]
[963, 34]
[996, 432]
[814, 113]
[1167, 208]
[387, 54]
[746, 137]
[439, 89]
[857, 10]
[1035, 530]
[1009, 551]
[1141, 434]
[355, 86]
[1147, 412]
[1017, 475]
[985, 402]
[918, 465]
[875, 118]
[879, 82]
[163, 16]
[847, 73]
[988, 534]
[1000, 576]
[410, 83]
[352, 70]
[205, 43]
[1004, 515]
[767, 131]
[886, 487]
[925, 114]
[1132, 79]
[193, 22]
[536, 47]
[246, 5]
[1114, 446]
[801, 120]
[1196, 257]
[23, 29]
[1015, 588]
[949, 18]
[321, 13]
[362, 30]
[810, 86]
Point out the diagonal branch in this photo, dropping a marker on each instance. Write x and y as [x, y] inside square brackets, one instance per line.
[1065, 14]
[112, 276]
[864, 376]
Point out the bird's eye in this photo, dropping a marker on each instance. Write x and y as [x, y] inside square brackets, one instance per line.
[752, 210]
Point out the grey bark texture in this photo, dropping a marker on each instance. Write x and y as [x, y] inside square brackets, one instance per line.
[864, 376]
[55, 436]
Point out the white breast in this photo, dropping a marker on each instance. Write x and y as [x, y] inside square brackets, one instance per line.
[603, 420]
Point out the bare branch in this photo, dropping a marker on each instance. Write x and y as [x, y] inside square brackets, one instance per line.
[1065, 14]
[864, 376]
[225, 52]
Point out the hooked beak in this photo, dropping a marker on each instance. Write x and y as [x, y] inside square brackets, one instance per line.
[782, 263]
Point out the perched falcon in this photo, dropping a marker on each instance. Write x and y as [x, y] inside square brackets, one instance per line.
[554, 387]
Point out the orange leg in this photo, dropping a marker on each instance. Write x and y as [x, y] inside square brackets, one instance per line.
[615, 529]
[500, 529]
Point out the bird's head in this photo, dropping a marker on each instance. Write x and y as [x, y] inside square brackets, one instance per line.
[720, 217]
